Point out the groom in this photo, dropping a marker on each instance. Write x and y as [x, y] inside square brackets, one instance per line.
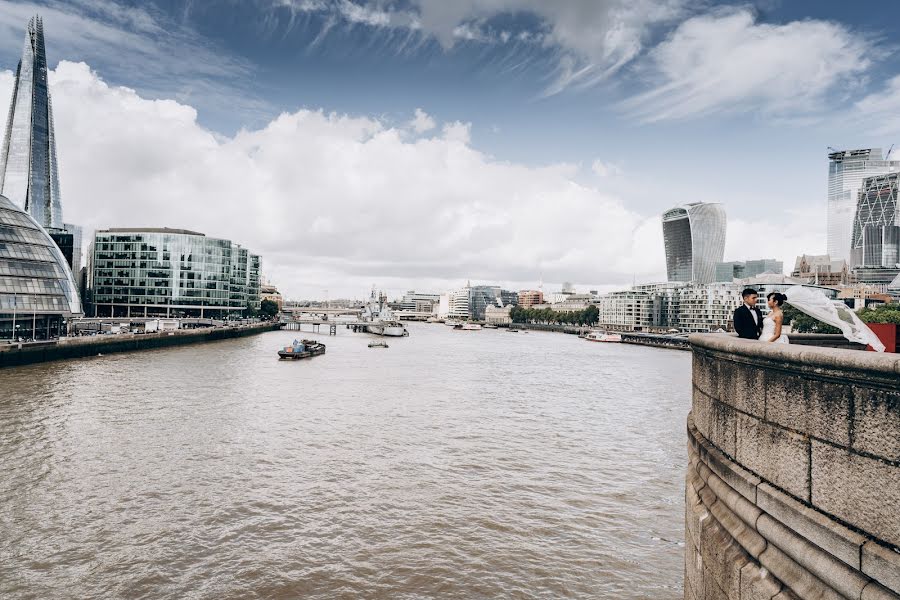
[748, 320]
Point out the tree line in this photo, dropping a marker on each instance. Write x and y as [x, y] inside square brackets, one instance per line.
[588, 316]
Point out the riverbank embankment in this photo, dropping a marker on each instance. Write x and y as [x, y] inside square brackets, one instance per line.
[78, 347]
[642, 339]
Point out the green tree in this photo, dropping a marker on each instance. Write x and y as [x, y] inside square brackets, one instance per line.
[886, 313]
[591, 315]
[268, 309]
[801, 322]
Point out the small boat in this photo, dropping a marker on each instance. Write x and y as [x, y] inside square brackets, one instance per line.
[301, 349]
[452, 323]
[599, 336]
[378, 345]
[468, 327]
[490, 326]
[511, 330]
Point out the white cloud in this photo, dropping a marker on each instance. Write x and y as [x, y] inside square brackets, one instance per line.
[422, 121]
[727, 62]
[332, 201]
[605, 169]
[879, 112]
[458, 132]
[593, 39]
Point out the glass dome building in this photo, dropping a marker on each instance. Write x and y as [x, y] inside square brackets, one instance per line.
[37, 290]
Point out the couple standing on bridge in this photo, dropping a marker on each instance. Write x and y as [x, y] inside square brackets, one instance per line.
[750, 324]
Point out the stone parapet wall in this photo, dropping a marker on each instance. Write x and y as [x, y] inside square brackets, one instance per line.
[793, 488]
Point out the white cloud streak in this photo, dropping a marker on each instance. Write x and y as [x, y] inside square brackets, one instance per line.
[727, 62]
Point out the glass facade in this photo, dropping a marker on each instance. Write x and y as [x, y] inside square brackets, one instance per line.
[876, 224]
[29, 176]
[694, 238]
[37, 290]
[846, 171]
[172, 273]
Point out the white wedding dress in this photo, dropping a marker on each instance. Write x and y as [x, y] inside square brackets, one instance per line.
[769, 330]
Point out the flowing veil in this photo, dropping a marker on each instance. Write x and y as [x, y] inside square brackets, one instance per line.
[817, 305]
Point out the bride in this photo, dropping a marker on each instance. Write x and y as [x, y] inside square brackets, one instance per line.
[772, 323]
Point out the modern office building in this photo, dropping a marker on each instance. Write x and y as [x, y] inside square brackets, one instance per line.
[728, 271]
[470, 301]
[876, 224]
[28, 168]
[418, 302]
[29, 176]
[694, 238]
[37, 291]
[171, 273]
[847, 169]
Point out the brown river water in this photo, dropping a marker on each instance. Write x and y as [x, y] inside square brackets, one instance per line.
[451, 465]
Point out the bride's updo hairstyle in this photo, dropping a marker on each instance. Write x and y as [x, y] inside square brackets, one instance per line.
[777, 297]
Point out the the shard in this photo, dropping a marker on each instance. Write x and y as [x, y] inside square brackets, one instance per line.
[28, 171]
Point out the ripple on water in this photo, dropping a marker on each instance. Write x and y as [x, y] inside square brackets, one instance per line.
[452, 465]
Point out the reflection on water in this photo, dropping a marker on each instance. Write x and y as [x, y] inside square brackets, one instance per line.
[454, 464]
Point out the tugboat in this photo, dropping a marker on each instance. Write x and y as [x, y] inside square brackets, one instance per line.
[301, 349]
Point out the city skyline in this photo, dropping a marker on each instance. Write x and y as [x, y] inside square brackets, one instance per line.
[469, 184]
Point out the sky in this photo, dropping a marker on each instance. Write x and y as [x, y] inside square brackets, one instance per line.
[420, 144]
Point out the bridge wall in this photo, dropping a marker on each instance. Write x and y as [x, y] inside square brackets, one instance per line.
[793, 484]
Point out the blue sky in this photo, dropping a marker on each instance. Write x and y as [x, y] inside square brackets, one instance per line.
[649, 104]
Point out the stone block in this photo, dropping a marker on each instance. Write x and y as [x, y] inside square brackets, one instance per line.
[779, 456]
[819, 409]
[794, 577]
[875, 591]
[693, 569]
[829, 570]
[782, 388]
[742, 534]
[757, 583]
[694, 511]
[882, 564]
[705, 373]
[861, 491]
[743, 387]
[722, 427]
[837, 540]
[700, 408]
[876, 426]
[737, 477]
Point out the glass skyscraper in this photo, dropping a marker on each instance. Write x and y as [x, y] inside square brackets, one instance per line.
[846, 171]
[170, 273]
[28, 171]
[694, 238]
[876, 224]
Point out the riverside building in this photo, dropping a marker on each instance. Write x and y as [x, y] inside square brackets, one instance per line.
[37, 290]
[694, 238]
[728, 271]
[170, 273]
[847, 169]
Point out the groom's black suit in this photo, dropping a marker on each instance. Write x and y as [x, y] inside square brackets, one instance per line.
[744, 324]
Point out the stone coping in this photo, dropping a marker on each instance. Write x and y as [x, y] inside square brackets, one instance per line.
[855, 364]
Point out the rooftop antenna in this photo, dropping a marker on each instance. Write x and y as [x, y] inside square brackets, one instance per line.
[888, 155]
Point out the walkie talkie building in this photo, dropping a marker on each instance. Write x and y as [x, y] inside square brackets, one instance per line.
[28, 170]
[694, 237]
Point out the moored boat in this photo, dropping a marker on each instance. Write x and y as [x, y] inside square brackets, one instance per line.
[378, 345]
[599, 336]
[468, 327]
[301, 349]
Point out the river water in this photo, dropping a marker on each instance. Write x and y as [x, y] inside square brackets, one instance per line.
[453, 464]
